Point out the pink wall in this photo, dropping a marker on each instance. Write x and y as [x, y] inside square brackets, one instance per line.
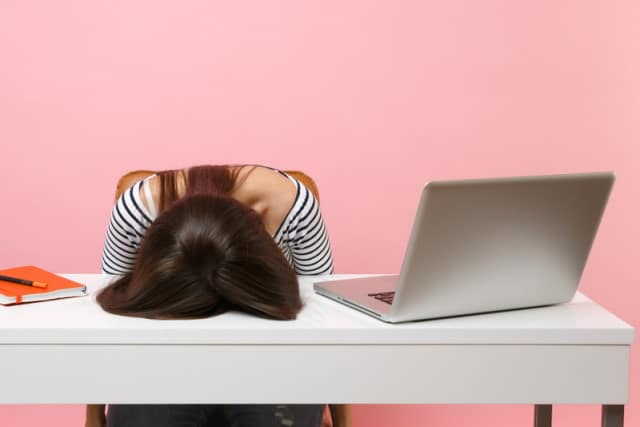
[372, 98]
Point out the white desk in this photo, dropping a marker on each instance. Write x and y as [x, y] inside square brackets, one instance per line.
[70, 351]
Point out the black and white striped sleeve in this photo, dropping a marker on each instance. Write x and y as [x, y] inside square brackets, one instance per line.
[127, 225]
[307, 236]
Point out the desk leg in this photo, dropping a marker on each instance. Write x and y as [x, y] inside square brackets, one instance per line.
[612, 415]
[542, 416]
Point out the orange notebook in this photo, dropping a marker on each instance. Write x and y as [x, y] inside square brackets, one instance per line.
[57, 286]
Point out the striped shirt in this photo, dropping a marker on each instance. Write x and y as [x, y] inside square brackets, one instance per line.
[302, 236]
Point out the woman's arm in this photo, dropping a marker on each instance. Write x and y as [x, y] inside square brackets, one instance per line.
[128, 222]
[308, 237]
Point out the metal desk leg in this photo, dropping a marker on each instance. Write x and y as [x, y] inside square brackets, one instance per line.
[542, 416]
[612, 415]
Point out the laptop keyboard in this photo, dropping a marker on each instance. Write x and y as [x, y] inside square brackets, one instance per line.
[383, 296]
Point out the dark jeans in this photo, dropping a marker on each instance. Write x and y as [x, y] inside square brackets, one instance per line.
[214, 415]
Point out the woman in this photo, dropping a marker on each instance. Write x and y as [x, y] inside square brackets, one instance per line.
[196, 242]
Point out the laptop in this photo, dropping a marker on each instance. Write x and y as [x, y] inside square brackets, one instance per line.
[487, 245]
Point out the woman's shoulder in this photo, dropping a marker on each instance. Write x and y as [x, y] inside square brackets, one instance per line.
[267, 191]
[140, 196]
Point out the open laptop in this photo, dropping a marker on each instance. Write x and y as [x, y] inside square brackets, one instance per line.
[487, 245]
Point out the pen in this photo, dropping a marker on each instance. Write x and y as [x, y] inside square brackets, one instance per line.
[23, 281]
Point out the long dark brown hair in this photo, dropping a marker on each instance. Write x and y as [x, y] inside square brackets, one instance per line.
[204, 254]
[207, 179]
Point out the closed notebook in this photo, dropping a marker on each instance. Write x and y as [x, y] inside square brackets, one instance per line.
[57, 286]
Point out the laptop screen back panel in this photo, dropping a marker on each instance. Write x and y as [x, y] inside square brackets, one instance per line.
[487, 245]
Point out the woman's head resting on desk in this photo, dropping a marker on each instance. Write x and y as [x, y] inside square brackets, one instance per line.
[203, 255]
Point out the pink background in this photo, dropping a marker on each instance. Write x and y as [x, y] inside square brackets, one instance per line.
[372, 98]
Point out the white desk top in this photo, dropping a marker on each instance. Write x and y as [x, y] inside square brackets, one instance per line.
[322, 321]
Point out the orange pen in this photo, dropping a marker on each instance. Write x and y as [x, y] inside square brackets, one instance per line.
[23, 281]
